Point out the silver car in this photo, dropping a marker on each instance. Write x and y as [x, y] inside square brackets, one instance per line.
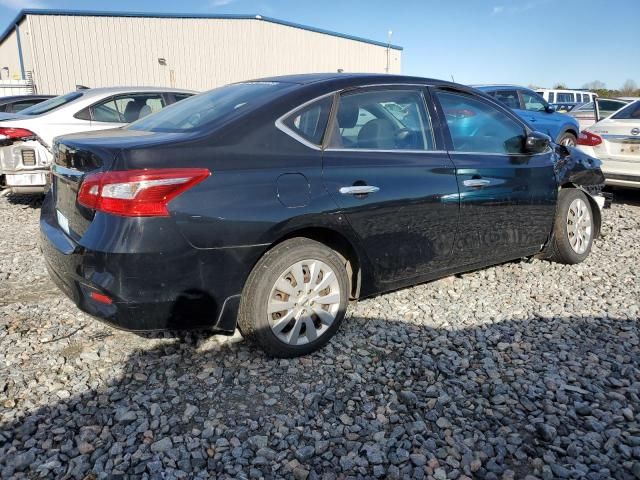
[26, 139]
[616, 142]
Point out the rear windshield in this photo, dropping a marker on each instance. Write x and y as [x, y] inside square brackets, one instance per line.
[203, 110]
[630, 112]
[51, 104]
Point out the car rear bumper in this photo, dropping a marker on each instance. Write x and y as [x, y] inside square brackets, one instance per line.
[621, 172]
[176, 287]
[34, 181]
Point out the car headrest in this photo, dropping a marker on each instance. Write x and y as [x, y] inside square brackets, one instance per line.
[132, 111]
[348, 115]
[144, 111]
[378, 134]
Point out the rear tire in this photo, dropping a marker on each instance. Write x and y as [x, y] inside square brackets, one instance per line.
[574, 228]
[568, 139]
[295, 298]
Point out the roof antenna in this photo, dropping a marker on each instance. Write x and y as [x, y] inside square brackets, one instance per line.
[453, 79]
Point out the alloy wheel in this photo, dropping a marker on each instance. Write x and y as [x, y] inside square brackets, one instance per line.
[303, 302]
[579, 226]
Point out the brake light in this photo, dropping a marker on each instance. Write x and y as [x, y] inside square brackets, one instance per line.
[137, 193]
[8, 133]
[589, 139]
[99, 297]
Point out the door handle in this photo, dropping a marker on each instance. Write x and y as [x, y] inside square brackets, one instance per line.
[476, 182]
[359, 190]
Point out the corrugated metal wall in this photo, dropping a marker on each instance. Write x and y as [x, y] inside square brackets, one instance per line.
[201, 53]
[9, 56]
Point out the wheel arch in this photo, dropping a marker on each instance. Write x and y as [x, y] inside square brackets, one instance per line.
[568, 129]
[340, 243]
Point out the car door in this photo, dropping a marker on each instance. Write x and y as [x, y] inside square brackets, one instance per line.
[507, 197]
[534, 111]
[388, 173]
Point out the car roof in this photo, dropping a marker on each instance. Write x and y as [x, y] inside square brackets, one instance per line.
[328, 81]
[109, 90]
[499, 87]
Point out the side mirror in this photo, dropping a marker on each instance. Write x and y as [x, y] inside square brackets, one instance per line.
[537, 142]
[549, 109]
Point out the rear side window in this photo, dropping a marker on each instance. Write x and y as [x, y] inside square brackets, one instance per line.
[508, 97]
[478, 127]
[630, 112]
[125, 108]
[382, 120]
[182, 96]
[310, 122]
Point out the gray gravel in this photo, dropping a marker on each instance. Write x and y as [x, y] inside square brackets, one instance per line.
[525, 370]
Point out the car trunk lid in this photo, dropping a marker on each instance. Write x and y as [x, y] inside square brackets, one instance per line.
[78, 155]
[621, 140]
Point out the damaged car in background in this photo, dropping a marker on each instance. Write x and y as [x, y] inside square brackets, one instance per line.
[269, 205]
[26, 138]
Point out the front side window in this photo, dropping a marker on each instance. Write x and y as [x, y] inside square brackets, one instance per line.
[508, 97]
[310, 121]
[630, 112]
[532, 102]
[552, 97]
[478, 127]
[382, 120]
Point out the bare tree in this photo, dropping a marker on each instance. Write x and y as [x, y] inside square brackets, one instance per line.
[560, 86]
[594, 85]
[629, 87]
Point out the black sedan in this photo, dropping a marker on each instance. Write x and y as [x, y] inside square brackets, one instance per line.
[17, 103]
[268, 205]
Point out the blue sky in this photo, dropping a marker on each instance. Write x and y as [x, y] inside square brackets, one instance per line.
[537, 42]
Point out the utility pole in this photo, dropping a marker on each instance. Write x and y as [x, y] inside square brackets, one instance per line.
[389, 33]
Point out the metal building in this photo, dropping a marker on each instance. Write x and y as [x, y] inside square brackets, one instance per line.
[61, 49]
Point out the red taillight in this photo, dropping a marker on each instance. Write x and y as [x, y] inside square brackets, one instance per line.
[137, 193]
[100, 298]
[15, 133]
[589, 139]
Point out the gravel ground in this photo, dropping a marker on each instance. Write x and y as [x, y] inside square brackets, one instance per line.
[525, 370]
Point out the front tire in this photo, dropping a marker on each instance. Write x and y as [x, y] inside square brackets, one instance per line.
[574, 228]
[568, 139]
[295, 298]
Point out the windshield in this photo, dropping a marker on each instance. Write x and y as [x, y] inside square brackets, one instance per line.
[51, 104]
[207, 108]
[630, 112]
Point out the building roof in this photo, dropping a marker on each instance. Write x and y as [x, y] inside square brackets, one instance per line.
[92, 13]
